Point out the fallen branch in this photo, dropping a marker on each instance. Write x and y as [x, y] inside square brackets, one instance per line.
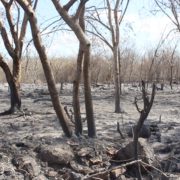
[119, 131]
[125, 165]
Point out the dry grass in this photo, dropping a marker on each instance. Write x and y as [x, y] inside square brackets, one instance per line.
[133, 69]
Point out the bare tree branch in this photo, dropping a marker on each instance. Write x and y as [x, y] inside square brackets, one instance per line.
[162, 9]
[69, 4]
[122, 16]
[7, 7]
[80, 7]
[6, 40]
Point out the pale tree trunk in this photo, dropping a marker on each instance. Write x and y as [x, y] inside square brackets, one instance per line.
[116, 81]
[115, 16]
[114, 29]
[120, 76]
[74, 23]
[63, 119]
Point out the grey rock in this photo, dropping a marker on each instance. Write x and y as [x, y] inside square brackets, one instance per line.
[144, 133]
[145, 152]
[58, 154]
[28, 164]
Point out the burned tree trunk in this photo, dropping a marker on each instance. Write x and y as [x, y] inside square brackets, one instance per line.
[143, 115]
[13, 42]
[74, 23]
[14, 93]
[63, 119]
[116, 81]
[87, 94]
[76, 104]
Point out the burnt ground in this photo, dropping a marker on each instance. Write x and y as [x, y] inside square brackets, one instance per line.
[24, 135]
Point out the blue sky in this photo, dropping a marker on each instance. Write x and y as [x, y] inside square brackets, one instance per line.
[140, 28]
[147, 26]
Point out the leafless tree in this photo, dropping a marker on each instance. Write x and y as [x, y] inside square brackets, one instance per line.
[63, 119]
[147, 105]
[14, 47]
[171, 65]
[15, 99]
[76, 22]
[171, 9]
[114, 18]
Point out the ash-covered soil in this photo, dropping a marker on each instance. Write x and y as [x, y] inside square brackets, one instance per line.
[29, 138]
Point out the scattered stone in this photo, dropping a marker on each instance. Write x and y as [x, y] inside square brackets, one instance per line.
[1, 170]
[96, 160]
[145, 152]
[111, 151]
[114, 174]
[76, 176]
[145, 131]
[80, 168]
[161, 148]
[85, 151]
[40, 177]
[27, 164]
[56, 154]
[52, 173]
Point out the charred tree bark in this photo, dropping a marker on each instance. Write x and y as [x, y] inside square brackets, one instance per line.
[14, 49]
[171, 77]
[74, 23]
[143, 116]
[116, 81]
[87, 94]
[76, 104]
[63, 119]
[120, 77]
[14, 93]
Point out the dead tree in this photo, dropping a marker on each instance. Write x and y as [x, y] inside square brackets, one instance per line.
[14, 94]
[147, 105]
[14, 48]
[112, 27]
[75, 23]
[171, 64]
[63, 119]
[76, 104]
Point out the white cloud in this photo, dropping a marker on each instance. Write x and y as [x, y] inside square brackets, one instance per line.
[147, 30]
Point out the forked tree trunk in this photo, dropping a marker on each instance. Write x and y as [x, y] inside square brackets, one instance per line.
[73, 23]
[14, 46]
[14, 93]
[147, 105]
[63, 119]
